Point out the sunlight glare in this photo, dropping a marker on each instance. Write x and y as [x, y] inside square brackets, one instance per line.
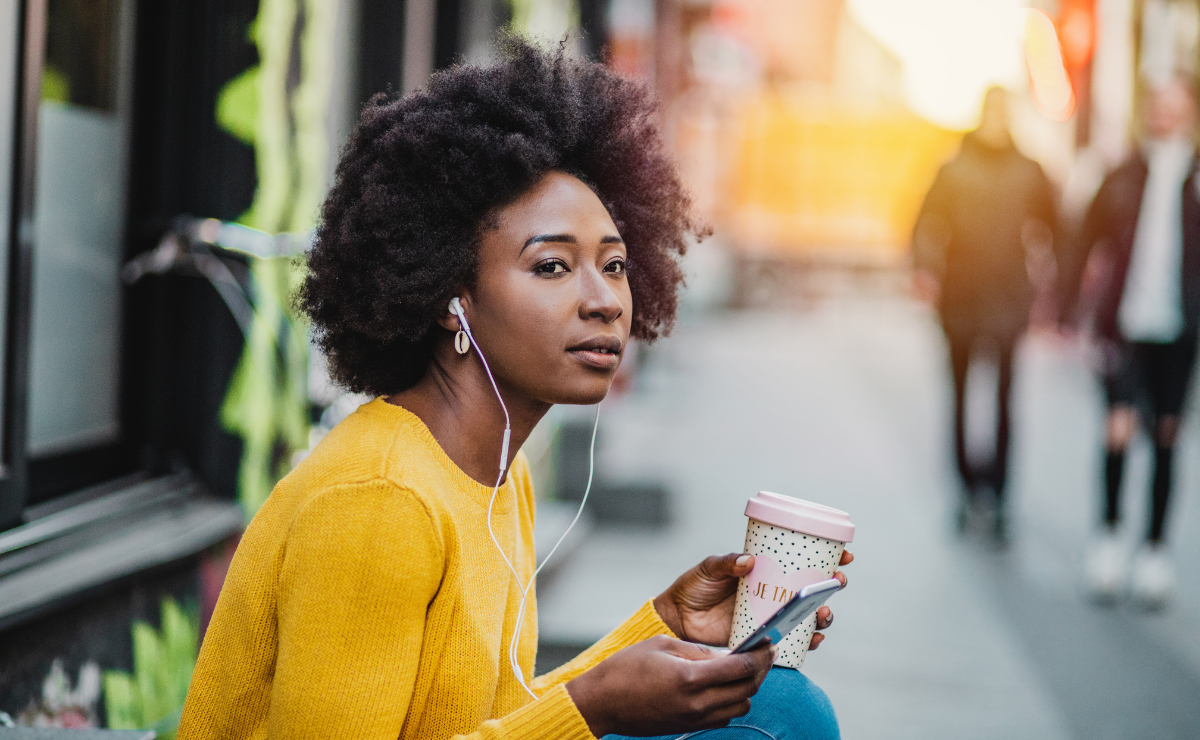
[1047, 76]
[951, 50]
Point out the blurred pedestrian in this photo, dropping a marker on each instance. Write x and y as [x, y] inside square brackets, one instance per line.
[985, 208]
[1146, 220]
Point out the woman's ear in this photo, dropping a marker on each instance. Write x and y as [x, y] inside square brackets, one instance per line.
[448, 320]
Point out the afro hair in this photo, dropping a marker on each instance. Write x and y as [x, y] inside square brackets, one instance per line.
[420, 176]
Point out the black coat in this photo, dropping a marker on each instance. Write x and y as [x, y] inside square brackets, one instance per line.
[1110, 225]
[969, 234]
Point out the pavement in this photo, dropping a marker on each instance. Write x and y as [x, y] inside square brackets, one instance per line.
[939, 635]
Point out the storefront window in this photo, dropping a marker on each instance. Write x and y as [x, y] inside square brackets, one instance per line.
[81, 64]
[83, 125]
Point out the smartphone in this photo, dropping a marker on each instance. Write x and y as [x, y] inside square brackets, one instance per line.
[790, 615]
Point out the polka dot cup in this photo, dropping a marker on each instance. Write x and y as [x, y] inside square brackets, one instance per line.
[795, 543]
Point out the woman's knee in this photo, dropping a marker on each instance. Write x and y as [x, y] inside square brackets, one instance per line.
[787, 707]
[791, 707]
[1119, 427]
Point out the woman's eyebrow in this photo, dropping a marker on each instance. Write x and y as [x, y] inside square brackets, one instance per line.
[567, 238]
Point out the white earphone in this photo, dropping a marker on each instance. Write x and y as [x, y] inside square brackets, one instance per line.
[457, 309]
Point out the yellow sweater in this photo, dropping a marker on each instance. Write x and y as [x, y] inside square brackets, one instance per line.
[366, 600]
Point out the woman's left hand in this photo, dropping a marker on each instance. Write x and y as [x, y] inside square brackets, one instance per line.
[698, 607]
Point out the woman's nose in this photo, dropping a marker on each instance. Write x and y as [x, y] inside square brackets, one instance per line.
[598, 299]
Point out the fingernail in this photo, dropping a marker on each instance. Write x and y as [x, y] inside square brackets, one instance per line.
[742, 561]
[829, 621]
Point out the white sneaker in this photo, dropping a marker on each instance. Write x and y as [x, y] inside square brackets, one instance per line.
[1106, 569]
[1153, 577]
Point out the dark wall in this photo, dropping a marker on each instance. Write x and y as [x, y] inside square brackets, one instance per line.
[182, 343]
[187, 50]
[594, 25]
[381, 40]
[381, 47]
[446, 48]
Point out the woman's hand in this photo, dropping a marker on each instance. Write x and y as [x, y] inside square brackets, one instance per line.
[665, 686]
[698, 607]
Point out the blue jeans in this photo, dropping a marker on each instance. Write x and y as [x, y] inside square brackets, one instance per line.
[787, 707]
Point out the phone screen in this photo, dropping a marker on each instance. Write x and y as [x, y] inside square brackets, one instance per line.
[790, 615]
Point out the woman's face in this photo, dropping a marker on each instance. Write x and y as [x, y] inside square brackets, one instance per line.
[552, 308]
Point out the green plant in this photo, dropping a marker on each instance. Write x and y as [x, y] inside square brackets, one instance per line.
[163, 659]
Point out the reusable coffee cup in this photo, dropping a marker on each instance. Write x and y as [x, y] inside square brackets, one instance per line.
[795, 543]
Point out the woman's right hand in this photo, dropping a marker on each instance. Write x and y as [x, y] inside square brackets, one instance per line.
[665, 686]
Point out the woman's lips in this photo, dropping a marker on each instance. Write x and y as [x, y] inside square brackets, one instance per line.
[602, 351]
[602, 360]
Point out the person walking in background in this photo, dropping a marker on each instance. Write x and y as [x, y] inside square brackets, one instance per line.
[970, 248]
[1146, 220]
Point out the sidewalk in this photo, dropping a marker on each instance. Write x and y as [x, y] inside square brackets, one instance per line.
[937, 637]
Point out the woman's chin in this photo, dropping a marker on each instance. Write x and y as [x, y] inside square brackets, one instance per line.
[586, 394]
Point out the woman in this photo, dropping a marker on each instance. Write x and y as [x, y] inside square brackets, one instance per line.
[367, 598]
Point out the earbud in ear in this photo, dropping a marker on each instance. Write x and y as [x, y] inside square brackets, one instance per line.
[462, 340]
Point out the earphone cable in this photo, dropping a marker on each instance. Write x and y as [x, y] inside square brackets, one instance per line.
[513, 661]
[514, 644]
[456, 307]
[462, 318]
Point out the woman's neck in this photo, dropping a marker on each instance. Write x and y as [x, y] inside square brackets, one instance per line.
[456, 402]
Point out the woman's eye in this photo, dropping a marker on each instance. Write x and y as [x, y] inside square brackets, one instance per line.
[617, 267]
[551, 267]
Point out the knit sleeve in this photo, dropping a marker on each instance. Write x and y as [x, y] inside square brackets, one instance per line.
[361, 564]
[554, 714]
[644, 624]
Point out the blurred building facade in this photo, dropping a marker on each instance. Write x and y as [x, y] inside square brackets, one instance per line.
[154, 382]
[791, 127]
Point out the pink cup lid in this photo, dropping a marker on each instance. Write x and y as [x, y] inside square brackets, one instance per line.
[800, 516]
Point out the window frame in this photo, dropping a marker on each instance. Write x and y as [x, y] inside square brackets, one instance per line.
[27, 480]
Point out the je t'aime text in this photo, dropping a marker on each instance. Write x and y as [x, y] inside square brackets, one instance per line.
[764, 591]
